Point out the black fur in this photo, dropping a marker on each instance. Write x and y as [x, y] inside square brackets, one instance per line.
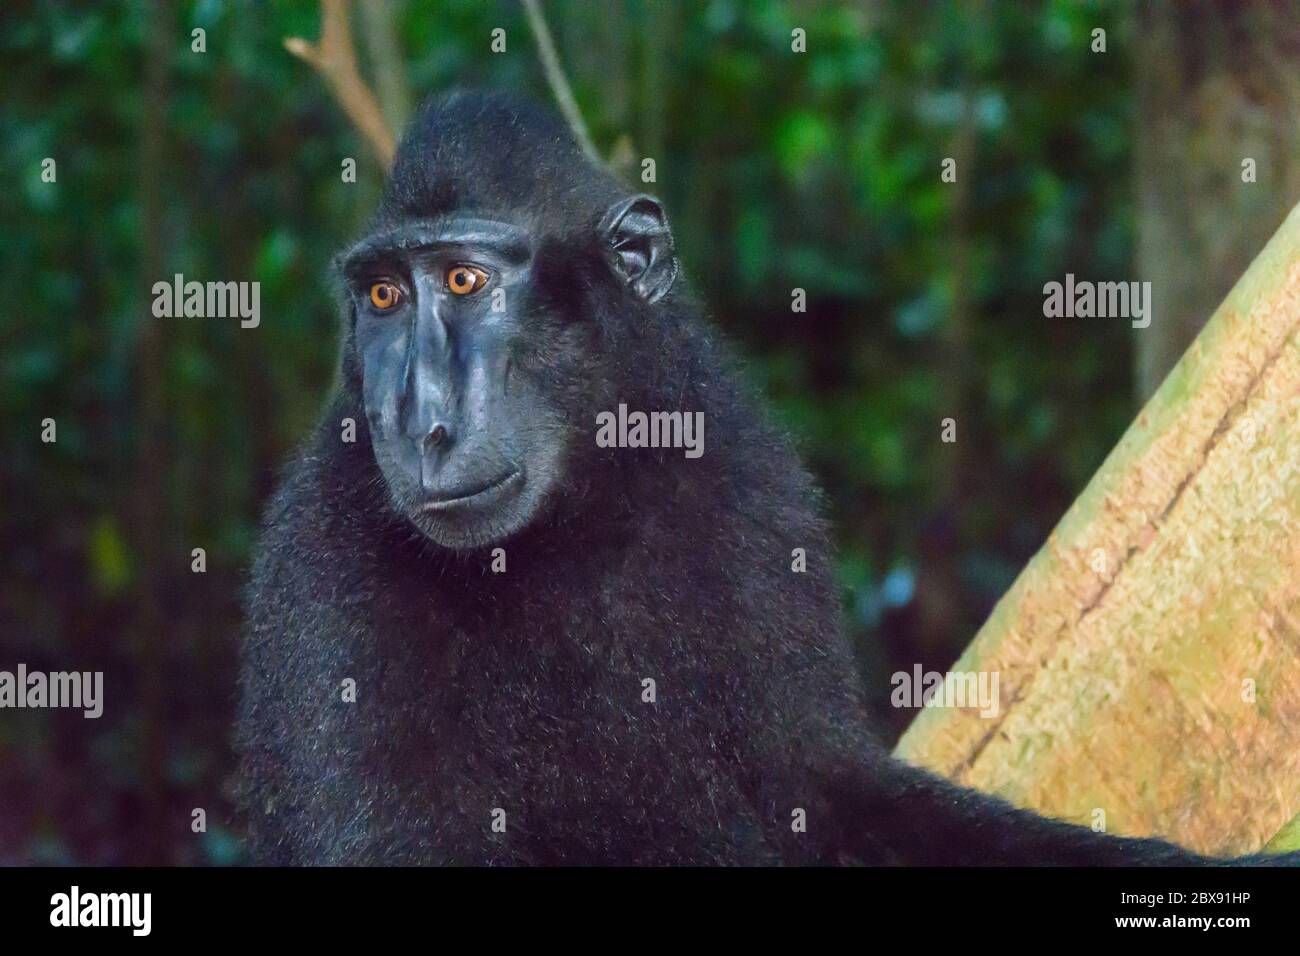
[523, 690]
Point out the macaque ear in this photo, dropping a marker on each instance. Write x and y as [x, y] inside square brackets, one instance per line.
[641, 246]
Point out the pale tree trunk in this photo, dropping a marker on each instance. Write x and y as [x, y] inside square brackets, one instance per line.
[1148, 657]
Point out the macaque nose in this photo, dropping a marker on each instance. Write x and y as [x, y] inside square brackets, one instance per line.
[433, 447]
[437, 437]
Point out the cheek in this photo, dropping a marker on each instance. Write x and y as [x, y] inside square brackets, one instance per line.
[382, 365]
[535, 417]
[569, 373]
[550, 440]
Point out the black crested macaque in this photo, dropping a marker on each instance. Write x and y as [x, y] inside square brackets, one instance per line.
[477, 635]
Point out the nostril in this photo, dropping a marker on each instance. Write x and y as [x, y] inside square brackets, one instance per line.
[436, 437]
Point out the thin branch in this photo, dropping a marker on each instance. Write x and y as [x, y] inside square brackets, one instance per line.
[555, 77]
[387, 65]
[335, 60]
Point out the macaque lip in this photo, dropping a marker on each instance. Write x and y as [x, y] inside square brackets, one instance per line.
[487, 494]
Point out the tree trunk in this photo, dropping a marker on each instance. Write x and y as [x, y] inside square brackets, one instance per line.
[1147, 656]
[150, 501]
[1216, 88]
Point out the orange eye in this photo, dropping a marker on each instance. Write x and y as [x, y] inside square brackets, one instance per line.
[385, 296]
[462, 280]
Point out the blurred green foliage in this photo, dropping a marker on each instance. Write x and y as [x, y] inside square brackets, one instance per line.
[817, 171]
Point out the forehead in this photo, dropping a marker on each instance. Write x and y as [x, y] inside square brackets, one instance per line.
[509, 240]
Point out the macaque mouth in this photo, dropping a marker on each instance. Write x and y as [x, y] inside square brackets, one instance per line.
[481, 495]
